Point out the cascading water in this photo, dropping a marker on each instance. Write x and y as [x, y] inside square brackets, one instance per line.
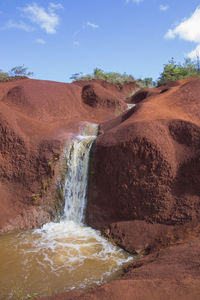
[65, 255]
[129, 106]
[77, 170]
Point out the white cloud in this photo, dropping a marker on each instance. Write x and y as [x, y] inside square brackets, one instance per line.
[54, 6]
[40, 41]
[46, 19]
[193, 54]
[164, 7]
[21, 25]
[188, 29]
[92, 25]
[136, 1]
[76, 43]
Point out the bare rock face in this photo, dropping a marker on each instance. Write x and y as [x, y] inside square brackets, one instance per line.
[146, 163]
[36, 118]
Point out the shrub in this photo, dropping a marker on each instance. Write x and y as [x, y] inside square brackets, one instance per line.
[112, 77]
[20, 71]
[3, 76]
[145, 83]
[173, 71]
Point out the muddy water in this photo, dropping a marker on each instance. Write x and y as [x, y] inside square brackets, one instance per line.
[56, 258]
[65, 255]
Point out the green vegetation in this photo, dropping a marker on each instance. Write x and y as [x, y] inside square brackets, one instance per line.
[35, 198]
[18, 72]
[3, 76]
[145, 83]
[173, 71]
[112, 77]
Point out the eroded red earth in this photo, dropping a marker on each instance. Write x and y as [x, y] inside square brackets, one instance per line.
[144, 183]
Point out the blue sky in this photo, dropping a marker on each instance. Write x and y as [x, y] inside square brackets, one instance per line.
[55, 39]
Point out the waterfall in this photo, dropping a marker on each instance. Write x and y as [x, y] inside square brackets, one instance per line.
[64, 255]
[77, 157]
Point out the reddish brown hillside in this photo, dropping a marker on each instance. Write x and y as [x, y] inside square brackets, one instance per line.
[35, 119]
[144, 190]
[146, 164]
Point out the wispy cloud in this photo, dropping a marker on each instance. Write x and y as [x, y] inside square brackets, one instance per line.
[164, 7]
[85, 26]
[20, 25]
[92, 25]
[47, 19]
[76, 43]
[188, 30]
[54, 6]
[40, 41]
[135, 1]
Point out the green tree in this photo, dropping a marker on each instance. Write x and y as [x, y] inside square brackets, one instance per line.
[147, 82]
[98, 73]
[20, 71]
[75, 76]
[173, 71]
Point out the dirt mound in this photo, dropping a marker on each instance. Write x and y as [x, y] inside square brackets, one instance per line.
[145, 165]
[35, 121]
[145, 93]
[98, 97]
[122, 89]
[142, 94]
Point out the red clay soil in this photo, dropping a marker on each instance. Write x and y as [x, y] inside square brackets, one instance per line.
[146, 163]
[142, 94]
[121, 89]
[144, 187]
[144, 192]
[36, 118]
